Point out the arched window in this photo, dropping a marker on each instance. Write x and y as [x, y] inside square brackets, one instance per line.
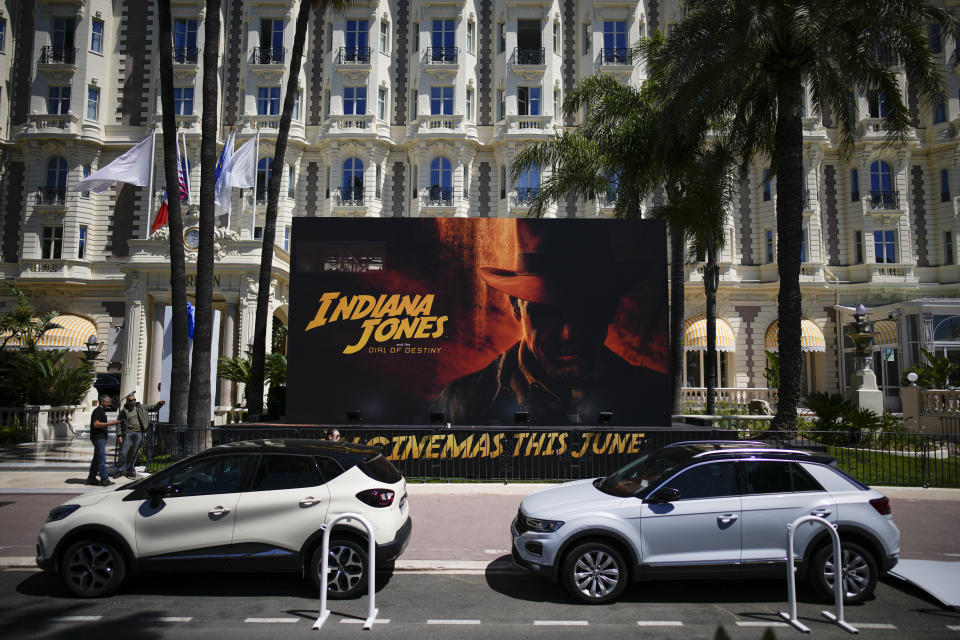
[528, 183]
[352, 185]
[264, 173]
[441, 180]
[882, 195]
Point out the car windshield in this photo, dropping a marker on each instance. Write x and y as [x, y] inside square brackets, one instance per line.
[640, 476]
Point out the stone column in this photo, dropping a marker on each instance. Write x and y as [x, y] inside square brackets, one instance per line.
[135, 328]
[156, 356]
[228, 350]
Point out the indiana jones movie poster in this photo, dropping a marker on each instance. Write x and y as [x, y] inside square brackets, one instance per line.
[478, 319]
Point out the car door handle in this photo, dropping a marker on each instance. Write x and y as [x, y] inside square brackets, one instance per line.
[727, 518]
[219, 512]
[309, 501]
[823, 513]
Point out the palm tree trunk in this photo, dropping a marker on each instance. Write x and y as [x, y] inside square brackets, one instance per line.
[255, 391]
[180, 367]
[677, 259]
[788, 155]
[711, 277]
[198, 415]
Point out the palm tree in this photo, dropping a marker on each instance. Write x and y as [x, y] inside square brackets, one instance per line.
[198, 415]
[180, 365]
[748, 61]
[700, 198]
[602, 153]
[255, 389]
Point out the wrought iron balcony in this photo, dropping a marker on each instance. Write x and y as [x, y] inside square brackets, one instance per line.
[806, 199]
[437, 196]
[529, 56]
[525, 195]
[268, 55]
[442, 55]
[349, 196]
[185, 55]
[615, 55]
[51, 197]
[884, 199]
[51, 54]
[353, 55]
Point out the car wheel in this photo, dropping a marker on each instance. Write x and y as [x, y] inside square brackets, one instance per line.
[347, 567]
[595, 573]
[93, 568]
[859, 572]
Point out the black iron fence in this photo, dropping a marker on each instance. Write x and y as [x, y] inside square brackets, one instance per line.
[185, 55]
[353, 55]
[564, 453]
[268, 55]
[442, 55]
[52, 54]
[529, 56]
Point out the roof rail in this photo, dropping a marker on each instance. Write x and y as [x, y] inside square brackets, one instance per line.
[739, 443]
[765, 451]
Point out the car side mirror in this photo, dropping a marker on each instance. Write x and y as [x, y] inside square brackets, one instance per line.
[156, 495]
[664, 495]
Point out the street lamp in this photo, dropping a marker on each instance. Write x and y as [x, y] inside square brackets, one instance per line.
[862, 337]
[863, 383]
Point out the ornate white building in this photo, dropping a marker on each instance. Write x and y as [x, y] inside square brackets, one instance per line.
[417, 108]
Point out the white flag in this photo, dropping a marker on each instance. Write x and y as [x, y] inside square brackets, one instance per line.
[132, 167]
[221, 189]
[241, 168]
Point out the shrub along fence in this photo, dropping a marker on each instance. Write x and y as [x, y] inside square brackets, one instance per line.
[530, 454]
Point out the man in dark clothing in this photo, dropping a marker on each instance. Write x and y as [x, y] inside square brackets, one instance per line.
[133, 419]
[98, 435]
[564, 292]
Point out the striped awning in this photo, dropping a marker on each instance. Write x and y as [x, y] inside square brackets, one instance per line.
[811, 337]
[695, 335]
[71, 333]
[884, 334]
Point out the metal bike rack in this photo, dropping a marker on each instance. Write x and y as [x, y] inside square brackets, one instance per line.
[837, 618]
[372, 610]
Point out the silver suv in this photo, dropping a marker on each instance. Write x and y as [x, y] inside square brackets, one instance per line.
[706, 509]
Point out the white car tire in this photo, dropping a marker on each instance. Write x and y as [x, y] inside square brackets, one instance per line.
[595, 573]
[93, 568]
[347, 568]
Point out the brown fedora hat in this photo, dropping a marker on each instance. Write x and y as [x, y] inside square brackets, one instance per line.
[558, 262]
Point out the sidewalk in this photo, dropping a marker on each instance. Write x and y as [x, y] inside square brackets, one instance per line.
[458, 527]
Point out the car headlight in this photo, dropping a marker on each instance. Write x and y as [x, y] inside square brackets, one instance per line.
[544, 526]
[61, 512]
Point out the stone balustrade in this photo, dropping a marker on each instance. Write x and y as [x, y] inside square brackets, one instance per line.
[696, 397]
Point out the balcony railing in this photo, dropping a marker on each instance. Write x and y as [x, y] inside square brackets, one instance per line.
[268, 55]
[615, 55]
[806, 199]
[51, 197]
[884, 199]
[51, 54]
[437, 196]
[525, 195]
[349, 197]
[442, 55]
[353, 55]
[529, 56]
[185, 55]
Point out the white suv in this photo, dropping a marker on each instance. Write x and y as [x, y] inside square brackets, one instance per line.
[249, 506]
[706, 509]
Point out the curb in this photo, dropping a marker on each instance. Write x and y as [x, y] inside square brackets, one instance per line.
[451, 567]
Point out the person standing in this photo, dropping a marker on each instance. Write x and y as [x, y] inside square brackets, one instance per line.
[98, 435]
[133, 422]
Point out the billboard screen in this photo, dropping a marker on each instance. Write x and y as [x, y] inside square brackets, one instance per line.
[478, 319]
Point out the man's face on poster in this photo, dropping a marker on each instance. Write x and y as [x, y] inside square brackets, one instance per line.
[565, 338]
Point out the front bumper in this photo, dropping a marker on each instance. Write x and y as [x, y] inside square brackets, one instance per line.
[546, 570]
[45, 563]
[390, 551]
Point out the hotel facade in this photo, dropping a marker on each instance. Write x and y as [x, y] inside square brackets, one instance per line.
[417, 108]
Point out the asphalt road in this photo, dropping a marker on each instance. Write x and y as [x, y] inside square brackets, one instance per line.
[425, 606]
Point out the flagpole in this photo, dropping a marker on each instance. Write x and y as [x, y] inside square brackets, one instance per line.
[185, 167]
[153, 155]
[253, 222]
[232, 136]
